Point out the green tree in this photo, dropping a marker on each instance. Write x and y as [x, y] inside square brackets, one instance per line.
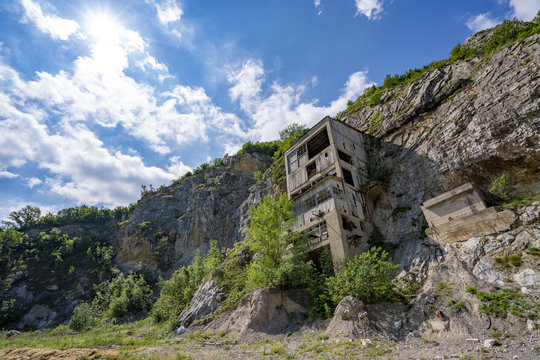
[278, 250]
[23, 217]
[367, 277]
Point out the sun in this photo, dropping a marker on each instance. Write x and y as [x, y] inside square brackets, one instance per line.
[103, 28]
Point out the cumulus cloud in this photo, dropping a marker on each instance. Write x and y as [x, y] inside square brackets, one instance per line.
[481, 22]
[370, 8]
[282, 105]
[56, 27]
[81, 167]
[100, 91]
[525, 9]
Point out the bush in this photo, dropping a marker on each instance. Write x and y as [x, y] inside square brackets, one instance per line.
[177, 292]
[129, 295]
[258, 175]
[84, 317]
[367, 277]
[266, 148]
[499, 187]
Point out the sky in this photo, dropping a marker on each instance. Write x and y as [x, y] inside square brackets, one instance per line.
[100, 97]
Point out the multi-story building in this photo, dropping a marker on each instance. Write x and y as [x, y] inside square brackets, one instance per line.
[325, 171]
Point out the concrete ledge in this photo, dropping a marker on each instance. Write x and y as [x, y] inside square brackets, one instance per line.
[482, 223]
[448, 195]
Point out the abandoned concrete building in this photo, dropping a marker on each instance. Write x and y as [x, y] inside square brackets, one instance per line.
[327, 180]
[325, 171]
[461, 213]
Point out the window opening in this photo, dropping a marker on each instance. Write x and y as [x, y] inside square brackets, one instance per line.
[318, 143]
[345, 157]
[311, 169]
[347, 176]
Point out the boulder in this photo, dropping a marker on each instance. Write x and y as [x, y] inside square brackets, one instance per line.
[39, 317]
[484, 271]
[267, 310]
[348, 307]
[205, 302]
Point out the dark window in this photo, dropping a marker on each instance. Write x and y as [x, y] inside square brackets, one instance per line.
[318, 143]
[347, 176]
[311, 169]
[345, 157]
[347, 224]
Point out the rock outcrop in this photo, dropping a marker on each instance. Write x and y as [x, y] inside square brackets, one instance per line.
[267, 310]
[169, 225]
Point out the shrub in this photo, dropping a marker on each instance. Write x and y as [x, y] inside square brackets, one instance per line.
[84, 317]
[499, 187]
[119, 297]
[129, 295]
[177, 292]
[266, 148]
[258, 175]
[379, 173]
[368, 277]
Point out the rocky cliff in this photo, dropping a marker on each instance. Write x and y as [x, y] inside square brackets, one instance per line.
[469, 121]
[169, 225]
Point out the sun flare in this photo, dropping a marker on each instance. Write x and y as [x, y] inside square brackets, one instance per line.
[103, 28]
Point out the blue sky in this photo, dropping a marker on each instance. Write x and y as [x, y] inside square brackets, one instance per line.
[100, 97]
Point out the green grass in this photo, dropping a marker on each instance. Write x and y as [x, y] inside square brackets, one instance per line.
[136, 334]
[518, 203]
[507, 260]
[500, 302]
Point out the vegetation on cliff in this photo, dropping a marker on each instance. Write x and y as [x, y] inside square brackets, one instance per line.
[502, 35]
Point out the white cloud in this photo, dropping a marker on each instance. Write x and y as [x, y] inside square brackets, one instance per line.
[525, 9]
[56, 27]
[177, 167]
[369, 8]
[283, 104]
[33, 181]
[247, 82]
[168, 11]
[99, 90]
[4, 174]
[318, 6]
[481, 22]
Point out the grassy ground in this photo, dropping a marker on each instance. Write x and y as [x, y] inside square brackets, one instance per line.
[144, 340]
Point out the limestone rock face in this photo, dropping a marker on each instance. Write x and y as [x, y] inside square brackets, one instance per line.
[267, 310]
[169, 225]
[469, 121]
[205, 302]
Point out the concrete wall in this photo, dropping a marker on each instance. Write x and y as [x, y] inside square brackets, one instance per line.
[460, 214]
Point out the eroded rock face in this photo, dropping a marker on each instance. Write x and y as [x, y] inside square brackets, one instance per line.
[169, 225]
[489, 127]
[267, 310]
[205, 302]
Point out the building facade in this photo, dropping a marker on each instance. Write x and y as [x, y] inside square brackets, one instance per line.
[325, 171]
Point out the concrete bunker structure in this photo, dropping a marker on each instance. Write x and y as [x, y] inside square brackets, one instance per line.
[461, 213]
[327, 180]
[325, 171]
